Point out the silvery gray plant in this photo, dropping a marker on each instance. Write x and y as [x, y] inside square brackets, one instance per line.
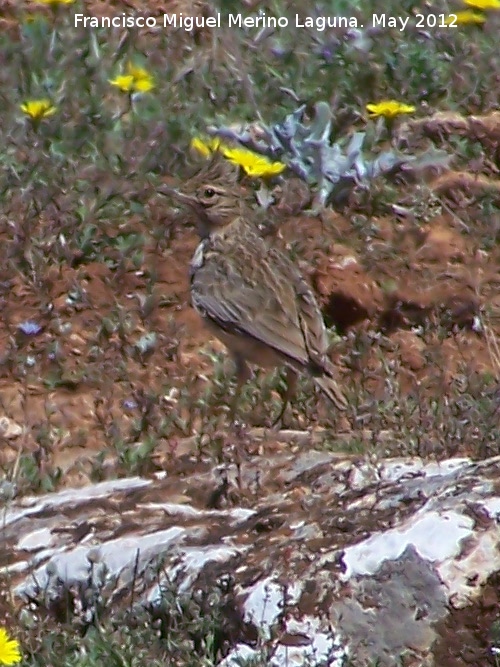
[335, 168]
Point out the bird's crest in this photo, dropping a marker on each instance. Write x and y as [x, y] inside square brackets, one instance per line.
[216, 170]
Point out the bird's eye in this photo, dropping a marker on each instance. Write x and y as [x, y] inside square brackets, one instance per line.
[209, 193]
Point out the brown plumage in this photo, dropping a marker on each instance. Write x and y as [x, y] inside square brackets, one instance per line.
[252, 296]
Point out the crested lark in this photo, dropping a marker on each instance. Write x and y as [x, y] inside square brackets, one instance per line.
[253, 297]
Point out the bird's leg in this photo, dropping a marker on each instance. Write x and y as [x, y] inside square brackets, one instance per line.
[290, 391]
[243, 374]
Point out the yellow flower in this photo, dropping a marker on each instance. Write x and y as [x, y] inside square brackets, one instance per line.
[10, 653]
[389, 109]
[253, 164]
[53, 3]
[125, 82]
[136, 80]
[143, 81]
[38, 109]
[483, 4]
[466, 17]
[205, 146]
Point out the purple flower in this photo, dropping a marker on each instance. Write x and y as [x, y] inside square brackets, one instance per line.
[30, 328]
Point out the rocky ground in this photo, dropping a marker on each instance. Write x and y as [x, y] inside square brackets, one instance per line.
[315, 558]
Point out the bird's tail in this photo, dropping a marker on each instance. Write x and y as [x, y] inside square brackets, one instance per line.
[332, 390]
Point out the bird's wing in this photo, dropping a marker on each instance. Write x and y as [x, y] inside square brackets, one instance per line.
[261, 304]
[309, 316]
[311, 323]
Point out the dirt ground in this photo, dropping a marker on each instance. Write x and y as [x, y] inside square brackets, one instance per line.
[422, 300]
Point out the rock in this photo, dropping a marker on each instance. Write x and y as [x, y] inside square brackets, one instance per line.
[327, 559]
[9, 429]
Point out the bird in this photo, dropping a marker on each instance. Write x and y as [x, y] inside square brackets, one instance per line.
[250, 294]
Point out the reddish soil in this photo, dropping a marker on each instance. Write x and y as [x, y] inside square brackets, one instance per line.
[418, 296]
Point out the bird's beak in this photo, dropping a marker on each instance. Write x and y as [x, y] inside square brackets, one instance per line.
[167, 191]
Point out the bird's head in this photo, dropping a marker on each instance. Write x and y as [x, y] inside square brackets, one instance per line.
[213, 206]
